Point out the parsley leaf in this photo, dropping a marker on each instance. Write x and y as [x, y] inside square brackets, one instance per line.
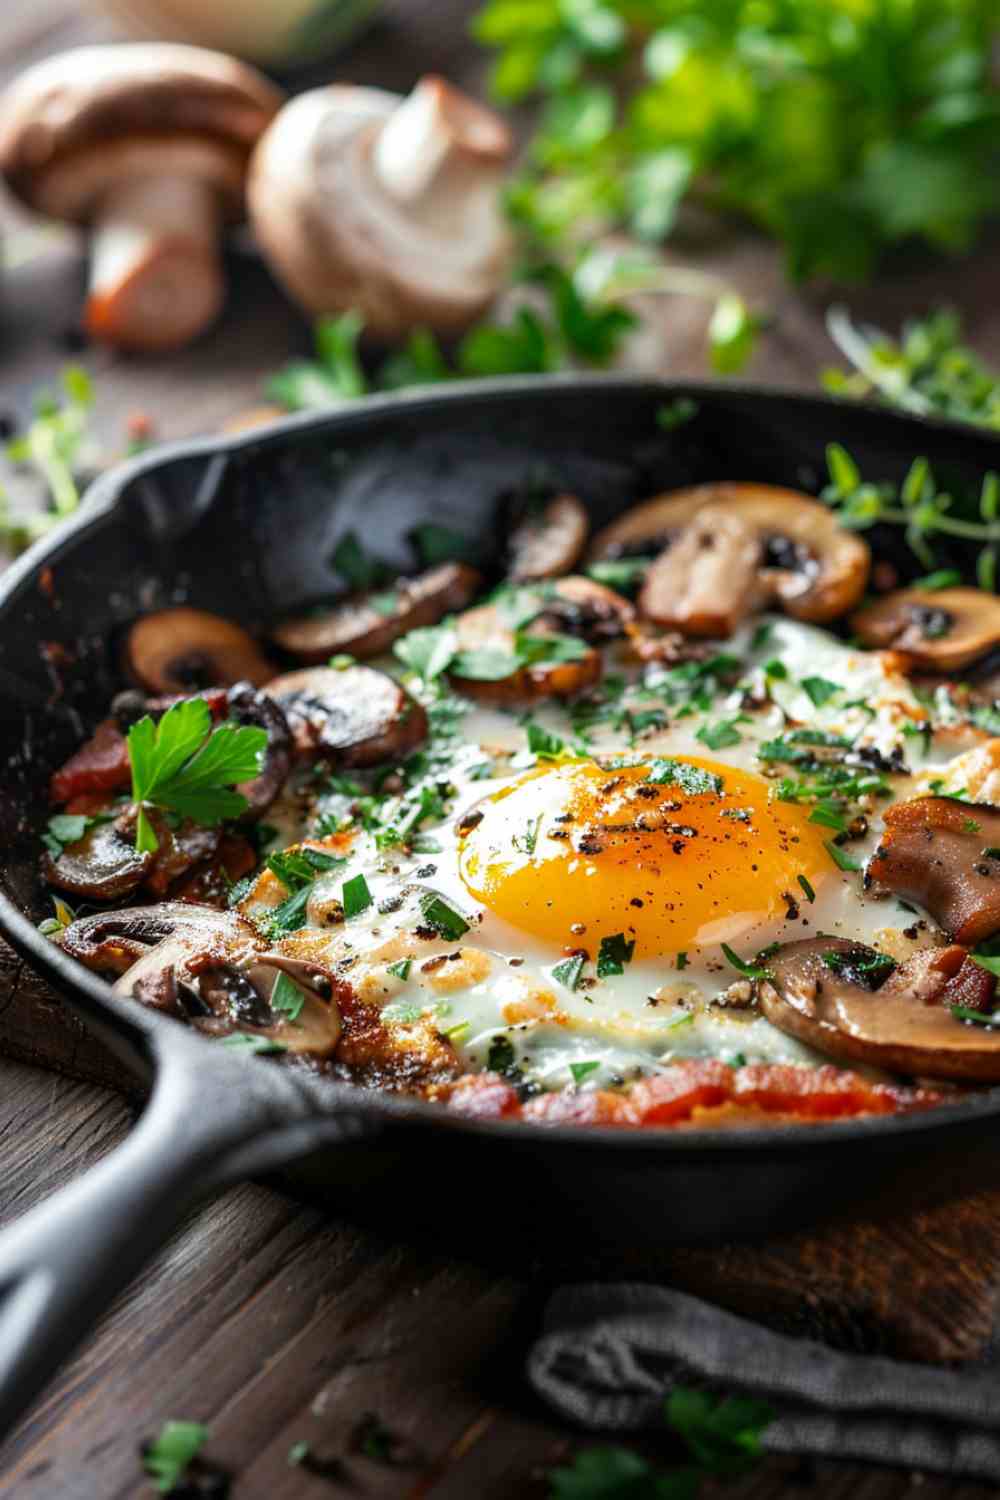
[544, 744]
[582, 1070]
[752, 971]
[819, 690]
[182, 764]
[718, 736]
[286, 998]
[691, 779]
[568, 972]
[443, 918]
[428, 651]
[357, 896]
[613, 954]
[841, 857]
[167, 1457]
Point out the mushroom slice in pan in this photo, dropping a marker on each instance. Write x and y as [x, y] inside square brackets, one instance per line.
[940, 630]
[210, 968]
[247, 706]
[853, 1004]
[353, 717]
[181, 650]
[804, 561]
[549, 540]
[944, 855]
[709, 579]
[102, 866]
[492, 665]
[367, 624]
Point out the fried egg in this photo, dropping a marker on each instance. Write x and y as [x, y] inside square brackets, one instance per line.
[582, 899]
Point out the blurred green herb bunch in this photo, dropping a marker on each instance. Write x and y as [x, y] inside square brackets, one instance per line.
[842, 127]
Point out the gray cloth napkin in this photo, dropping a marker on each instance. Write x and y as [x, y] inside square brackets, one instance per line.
[609, 1354]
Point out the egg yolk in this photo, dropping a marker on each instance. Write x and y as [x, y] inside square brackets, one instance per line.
[671, 854]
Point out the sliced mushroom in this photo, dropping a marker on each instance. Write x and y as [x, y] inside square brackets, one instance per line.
[583, 607]
[549, 540]
[489, 669]
[148, 144]
[111, 941]
[939, 630]
[841, 998]
[945, 856]
[803, 560]
[246, 706]
[354, 717]
[709, 579]
[367, 624]
[102, 866]
[363, 200]
[181, 650]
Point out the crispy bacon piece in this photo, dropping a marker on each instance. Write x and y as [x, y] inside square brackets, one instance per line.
[484, 1096]
[597, 1107]
[686, 1086]
[100, 765]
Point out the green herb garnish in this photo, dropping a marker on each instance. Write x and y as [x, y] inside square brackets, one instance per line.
[582, 1070]
[752, 971]
[807, 889]
[443, 918]
[185, 766]
[720, 735]
[356, 896]
[978, 1018]
[613, 954]
[567, 973]
[167, 1457]
[691, 779]
[819, 690]
[401, 968]
[841, 857]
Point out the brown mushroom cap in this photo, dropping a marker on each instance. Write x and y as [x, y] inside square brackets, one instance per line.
[354, 717]
[549, 541]
[903, 1023]
[147, 143]
[180, 650]
[366, 624]
[940, 630]
[361, 200]
[775, 546]
[942, 854]
[70, 113]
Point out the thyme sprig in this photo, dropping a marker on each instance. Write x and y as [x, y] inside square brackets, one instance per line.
[919, 506]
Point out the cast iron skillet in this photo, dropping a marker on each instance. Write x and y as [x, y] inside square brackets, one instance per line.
[246, 527]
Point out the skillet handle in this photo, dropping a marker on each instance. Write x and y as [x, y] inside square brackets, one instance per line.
[205, 1125]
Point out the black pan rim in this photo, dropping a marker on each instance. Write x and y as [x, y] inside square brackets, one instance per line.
[153, 1032]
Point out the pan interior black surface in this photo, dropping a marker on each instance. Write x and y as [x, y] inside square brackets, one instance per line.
[248, 528]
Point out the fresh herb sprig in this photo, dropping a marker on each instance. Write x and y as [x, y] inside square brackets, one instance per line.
[56, 446]
[919, 507]
[840, 130]
[927, 369]
[185, 767]
[167, 1457]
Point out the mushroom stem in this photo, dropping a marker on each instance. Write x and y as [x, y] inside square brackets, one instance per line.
[155, 277]
[435, 128]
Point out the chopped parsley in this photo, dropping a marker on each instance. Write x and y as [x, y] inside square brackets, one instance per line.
[287, 917]
[500, 1058]
[751, 971]
[69, 828]
[690, 779]
[969, 825]
[357, 567]
[439, 915]
[841, 857]
[525, 844]
[429, 651]
[876, 968]
[545, 745]
[621, 573]
[775, 668]
[613, 954]
[568, 972]
[357, 897]
[582, 1070]
[298, 1453]
[810, 894]
[298, 867]
[167, 1457]
[819, 690]
[978, 1018]
[988, 962]
[287, 999]
[721, 734]
[401, 968]
[682, 960]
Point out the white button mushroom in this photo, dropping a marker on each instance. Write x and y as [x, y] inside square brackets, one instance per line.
[148, 144]
[361, 199]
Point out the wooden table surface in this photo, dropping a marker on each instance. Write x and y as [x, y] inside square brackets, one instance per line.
[272, 1321]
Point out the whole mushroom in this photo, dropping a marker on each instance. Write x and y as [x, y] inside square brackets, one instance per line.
[362, 199]
[146, 143]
